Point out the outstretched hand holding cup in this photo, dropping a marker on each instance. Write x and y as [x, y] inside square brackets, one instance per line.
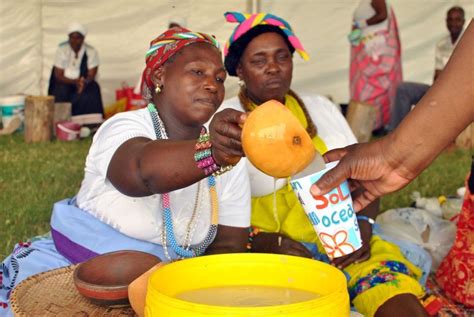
[331, 214]
[367, 166]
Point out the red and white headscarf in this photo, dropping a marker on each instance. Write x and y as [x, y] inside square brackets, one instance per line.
[165, 46]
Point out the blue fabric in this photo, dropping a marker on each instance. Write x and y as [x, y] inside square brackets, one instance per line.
[412, 251]
[77, 235]
[84, 229]
[26, 260]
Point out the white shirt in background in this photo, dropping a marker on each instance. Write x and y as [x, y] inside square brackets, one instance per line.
[66, 59]
[443, 51]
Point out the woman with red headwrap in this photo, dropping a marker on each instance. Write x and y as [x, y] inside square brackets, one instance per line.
[155, 179]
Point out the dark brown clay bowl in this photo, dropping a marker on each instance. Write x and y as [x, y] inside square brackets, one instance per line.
[104, 279]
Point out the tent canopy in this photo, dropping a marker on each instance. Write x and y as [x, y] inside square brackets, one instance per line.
[121, 31]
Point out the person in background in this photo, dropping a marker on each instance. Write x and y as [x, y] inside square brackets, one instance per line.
[390, 163]
[375, 67]
[155, 180]
[381, 281]
[410, 93]
[73, 78]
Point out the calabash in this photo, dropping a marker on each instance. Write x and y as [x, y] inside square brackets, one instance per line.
[275, 141]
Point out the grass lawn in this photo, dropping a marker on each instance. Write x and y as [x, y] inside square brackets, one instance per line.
[34, 176]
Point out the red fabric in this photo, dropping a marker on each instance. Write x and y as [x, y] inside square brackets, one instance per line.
[166, 45]
[456, 273]
[375, 81]
[134, 101]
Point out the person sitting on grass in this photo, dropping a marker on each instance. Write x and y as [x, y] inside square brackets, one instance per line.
[154, 178]
[382, 282]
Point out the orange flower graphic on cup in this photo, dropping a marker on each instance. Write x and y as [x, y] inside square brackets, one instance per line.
[336, 245]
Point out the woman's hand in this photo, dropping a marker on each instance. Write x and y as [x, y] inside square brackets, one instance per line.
[80, 85]
[269, 242]
[363, 253]
[225, 135]
[368, 166]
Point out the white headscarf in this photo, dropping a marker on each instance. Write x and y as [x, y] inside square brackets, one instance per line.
[76, 27]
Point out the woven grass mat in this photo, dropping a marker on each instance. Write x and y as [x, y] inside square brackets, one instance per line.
[53, 293]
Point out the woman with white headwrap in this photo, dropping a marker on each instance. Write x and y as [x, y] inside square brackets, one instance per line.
[74, 71]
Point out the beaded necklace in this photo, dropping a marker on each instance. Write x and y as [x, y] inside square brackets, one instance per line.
[168, 237]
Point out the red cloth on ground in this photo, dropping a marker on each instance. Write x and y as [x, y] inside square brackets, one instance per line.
[456, 273]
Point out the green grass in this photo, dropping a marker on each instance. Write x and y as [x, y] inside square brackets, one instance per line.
[446, 174]
[34, 176]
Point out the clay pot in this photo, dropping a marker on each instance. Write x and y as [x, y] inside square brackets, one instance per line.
[104, 279]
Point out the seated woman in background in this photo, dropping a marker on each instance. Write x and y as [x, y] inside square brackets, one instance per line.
[382, 282]
[74, 73]
[154, 178]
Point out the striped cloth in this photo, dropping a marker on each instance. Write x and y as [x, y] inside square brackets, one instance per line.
[165, 46]
[248, 21]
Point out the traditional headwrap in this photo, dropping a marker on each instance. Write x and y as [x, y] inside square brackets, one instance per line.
[76, 27]
[165, 46]
[247, 22]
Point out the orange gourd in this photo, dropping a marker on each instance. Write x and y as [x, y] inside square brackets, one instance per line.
[275, 141]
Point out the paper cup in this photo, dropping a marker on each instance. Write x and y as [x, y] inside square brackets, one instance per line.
[332, 215]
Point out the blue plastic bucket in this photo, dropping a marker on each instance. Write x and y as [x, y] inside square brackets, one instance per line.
[10, 107]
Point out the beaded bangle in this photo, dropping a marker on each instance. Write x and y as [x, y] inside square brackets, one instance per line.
[203, 155]
[252, 233]
[204, 158]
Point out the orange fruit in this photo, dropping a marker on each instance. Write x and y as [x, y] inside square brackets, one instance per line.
[275, 141]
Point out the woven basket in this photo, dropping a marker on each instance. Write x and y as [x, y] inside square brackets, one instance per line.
[53, 293]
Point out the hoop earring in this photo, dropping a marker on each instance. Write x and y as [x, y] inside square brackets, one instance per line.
[241, 83]
[157, 89]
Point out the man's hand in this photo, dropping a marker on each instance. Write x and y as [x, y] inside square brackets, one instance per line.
[368, 167]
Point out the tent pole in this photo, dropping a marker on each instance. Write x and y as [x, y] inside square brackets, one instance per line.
[249, 8]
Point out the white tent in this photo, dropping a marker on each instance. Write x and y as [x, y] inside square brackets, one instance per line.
[121, 30]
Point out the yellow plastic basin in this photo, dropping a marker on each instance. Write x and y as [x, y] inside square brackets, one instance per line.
[247, 269]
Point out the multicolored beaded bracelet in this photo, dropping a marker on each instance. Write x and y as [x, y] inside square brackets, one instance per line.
[253, 231]
[204, 158]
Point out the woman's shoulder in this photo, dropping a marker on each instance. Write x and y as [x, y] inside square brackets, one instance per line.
[129, 123]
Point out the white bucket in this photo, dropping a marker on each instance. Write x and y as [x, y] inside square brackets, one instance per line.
[10, 107]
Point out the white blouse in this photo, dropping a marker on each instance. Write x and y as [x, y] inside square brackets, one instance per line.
[141, 217]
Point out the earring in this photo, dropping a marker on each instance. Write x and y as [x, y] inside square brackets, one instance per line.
[241, 83]
[157, 89]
